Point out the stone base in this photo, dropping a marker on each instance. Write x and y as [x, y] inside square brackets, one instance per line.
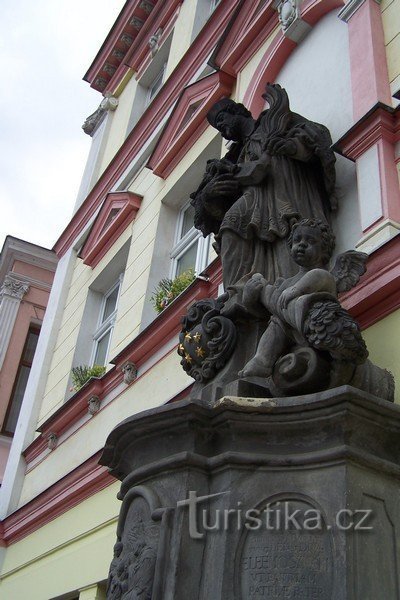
[305, 499]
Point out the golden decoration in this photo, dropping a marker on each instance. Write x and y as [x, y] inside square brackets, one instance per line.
[200, 352]
[197, 337]
[188, 337]
[181, 348]
[188, 358]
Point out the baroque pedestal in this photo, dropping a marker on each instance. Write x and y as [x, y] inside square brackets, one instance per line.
[305, 500]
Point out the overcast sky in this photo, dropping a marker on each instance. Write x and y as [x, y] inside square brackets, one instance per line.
[46, 47]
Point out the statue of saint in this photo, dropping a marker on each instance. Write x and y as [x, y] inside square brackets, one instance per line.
[279, 169]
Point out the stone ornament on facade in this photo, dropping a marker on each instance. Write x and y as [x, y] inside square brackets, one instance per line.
[13, 288]
[129, 370]
[94, 403]
[290, 19]
[52, 441]
[147, 6]
[153, 41]
[109, 103]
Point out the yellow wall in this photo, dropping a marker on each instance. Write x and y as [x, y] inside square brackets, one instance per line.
[391, 27]
[67, 554]
[383, 344]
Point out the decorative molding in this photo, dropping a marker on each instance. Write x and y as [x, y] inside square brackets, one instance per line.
[13, 287]
[188, 121]
[196, 56]
[94, 403]
[109, 103]
[131, 24]
[87, 479]
[130, 371]
[279, 51]
[118, 211]
[350, 8]
[380, 127]
[52, 440]
[250, 25]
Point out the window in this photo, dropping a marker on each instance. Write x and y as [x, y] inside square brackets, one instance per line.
[191, 249]
[24, 368]
[102, 335]
[156, 84]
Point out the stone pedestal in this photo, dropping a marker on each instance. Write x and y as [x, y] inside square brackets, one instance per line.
[306, 500]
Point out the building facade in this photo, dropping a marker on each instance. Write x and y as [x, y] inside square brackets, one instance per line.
[26, 275]
[160, 69]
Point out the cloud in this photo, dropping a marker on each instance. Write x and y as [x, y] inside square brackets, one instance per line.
[45, 49]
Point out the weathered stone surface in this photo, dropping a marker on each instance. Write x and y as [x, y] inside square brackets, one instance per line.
[328, 452]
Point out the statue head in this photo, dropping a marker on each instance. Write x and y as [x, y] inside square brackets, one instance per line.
[227, 116]
[311, 243]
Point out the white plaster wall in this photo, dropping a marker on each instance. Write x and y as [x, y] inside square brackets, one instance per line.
[317, 79]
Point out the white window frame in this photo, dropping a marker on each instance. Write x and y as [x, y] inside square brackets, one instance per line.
[108, 325]
[183, 244]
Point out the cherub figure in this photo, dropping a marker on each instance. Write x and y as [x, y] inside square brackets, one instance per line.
[304, 308]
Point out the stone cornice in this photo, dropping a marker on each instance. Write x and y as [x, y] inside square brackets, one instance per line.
[123, 34]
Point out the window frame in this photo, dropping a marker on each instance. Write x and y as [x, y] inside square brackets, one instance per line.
[22, 363]
[184, 243]
[103, 327]
[149, 96]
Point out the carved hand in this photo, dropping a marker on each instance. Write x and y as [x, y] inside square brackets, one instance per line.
[223, 186]
[281, 146]
[286, 296]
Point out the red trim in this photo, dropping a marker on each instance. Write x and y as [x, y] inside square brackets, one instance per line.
[380, 127]
[184, 71]
[160, 331]
[164, 18]
[114, 50]
[378, 293]
[102, 237]
[279, 51]
[86, 480]
[247, 32]
[178, 137]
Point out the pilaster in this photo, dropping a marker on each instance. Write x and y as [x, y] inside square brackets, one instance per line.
[11, 294]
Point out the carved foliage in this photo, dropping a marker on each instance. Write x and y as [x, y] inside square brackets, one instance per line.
[207, 340]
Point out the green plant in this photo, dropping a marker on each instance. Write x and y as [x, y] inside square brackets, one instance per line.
[168, 289]
[82, 374]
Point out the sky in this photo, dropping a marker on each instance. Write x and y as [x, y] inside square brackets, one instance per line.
[46, 47]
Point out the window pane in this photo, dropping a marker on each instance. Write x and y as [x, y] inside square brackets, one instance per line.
[17, 397]
[157, 83]
[101, 349]
[187, 260]
[111, 303]
[188, 219]
[30, 347]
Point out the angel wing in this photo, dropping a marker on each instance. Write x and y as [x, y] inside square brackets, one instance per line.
[348, 269]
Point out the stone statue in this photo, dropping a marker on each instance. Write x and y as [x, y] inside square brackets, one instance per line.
[296, 303]
[280, 168]
[277, 330]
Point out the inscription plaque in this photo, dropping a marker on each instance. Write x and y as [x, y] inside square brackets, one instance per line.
[288, 556]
